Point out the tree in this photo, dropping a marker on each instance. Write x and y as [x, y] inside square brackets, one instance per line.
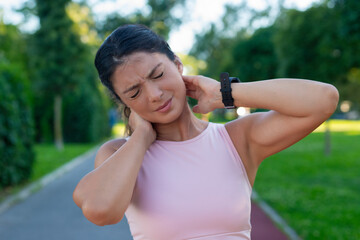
[326, 51]
[349, 34]
[16, 121]
[236, 46]
[308, 50]
[65, 77]
[57, 47]
[254, 58]
[214, 49]
[159, 18]
[88, 123]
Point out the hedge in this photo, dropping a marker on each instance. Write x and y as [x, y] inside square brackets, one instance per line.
[16, 127]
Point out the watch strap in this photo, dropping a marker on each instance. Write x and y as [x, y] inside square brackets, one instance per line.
[225, 82]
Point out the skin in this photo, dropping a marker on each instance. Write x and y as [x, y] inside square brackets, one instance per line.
[153, 91]
[297, 108]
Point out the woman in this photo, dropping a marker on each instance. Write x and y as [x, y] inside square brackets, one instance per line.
[178, 177]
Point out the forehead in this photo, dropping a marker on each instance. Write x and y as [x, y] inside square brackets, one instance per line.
[137, 66]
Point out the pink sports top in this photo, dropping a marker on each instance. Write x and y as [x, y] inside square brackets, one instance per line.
[193, 189]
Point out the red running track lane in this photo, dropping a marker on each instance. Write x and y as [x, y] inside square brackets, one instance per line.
[262, 226]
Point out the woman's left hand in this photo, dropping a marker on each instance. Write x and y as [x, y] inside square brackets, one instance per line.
[206, 91]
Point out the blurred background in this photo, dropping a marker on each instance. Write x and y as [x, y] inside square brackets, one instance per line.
[54, 108]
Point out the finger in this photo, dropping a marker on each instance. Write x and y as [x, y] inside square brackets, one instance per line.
[190, 79]
[190, 86]
[196, 109]
[191, 94]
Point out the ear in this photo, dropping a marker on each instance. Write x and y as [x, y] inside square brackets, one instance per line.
[179, 64]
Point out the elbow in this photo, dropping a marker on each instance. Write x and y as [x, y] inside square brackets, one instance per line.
[77, 196]
[331, 96]
[97, 213]
[101, 215]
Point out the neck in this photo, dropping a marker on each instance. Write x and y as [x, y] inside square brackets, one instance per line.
[186, 127]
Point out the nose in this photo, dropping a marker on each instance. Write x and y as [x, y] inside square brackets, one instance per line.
[154, 92]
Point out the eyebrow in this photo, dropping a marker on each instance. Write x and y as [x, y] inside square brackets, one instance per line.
[131, 88]
[153, 70]
[149, 76]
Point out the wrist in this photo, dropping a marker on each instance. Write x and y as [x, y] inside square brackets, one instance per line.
[226, 90]
[217, 103]
[145, 135]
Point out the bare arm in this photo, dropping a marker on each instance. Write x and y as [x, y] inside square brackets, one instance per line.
[105, 193]
[297, 108]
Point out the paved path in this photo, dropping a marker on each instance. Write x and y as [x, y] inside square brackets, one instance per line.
[51, 214]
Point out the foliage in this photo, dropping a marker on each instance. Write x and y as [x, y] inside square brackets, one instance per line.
[254, 58]
[13, 49]
[83, 23]
[292, 46]
[192, 65]
[16, 126]
[89, 121]
[349, 15]
[159, 18]
[58, 47]
[241, 50]
[64, 48]
[12, 44]
[323, 51]
[349, 29]
[214, 50]
[309, 51]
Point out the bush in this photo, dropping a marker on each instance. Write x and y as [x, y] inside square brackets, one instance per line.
[16, 127]
[85, 117]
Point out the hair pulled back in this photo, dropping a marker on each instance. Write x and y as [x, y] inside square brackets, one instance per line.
[122, 42]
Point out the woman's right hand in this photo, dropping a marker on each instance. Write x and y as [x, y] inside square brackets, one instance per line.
[137, 123]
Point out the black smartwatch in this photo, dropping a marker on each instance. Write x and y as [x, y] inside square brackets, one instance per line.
[225, 90]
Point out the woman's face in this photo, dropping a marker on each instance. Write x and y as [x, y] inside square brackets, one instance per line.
[152, 86]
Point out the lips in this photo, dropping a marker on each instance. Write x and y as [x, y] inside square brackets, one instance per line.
[165, 107]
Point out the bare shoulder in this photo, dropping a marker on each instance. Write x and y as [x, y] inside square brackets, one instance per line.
[239, 132]
[107, 149]
[241, 126]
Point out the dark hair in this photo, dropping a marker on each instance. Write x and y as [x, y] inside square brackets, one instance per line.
[122, 42]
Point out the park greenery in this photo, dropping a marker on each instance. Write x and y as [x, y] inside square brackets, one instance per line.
[50, 89]
[320, 43]
[317, 196]
[51, 97]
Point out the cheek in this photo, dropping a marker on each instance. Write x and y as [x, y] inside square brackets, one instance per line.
[182, 88]
[143, 111]
[177, 84]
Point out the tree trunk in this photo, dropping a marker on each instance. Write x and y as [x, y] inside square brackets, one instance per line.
[58, 123]
[327, 148]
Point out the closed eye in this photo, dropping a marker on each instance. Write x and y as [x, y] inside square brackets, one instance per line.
[159, 76]
[136, 94]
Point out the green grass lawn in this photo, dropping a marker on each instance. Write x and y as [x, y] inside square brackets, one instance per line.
[318, 196]
[48, 158]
